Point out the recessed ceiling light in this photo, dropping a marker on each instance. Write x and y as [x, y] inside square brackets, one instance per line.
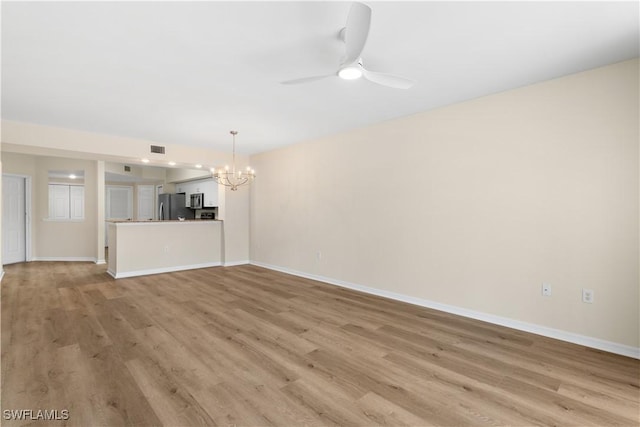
[72, 176]
[145, 160]
[172, 163]
[198, 166]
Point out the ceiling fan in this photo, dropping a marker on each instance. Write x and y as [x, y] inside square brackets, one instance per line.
[354, 36]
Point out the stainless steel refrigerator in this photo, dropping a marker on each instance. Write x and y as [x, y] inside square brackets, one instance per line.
[172, 206]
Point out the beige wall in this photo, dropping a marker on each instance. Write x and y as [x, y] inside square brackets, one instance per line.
[156, 173]
[33, 141]
[475, 205]
[234, 210]
[100, 211]
[174, 175]
[1, 265]
[18, 163]
[65, 239]
[57, 239]
[44, 139]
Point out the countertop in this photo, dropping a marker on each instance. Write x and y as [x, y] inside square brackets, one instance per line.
[124, 221]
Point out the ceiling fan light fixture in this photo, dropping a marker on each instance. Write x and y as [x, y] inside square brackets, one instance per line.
[351, 72]
[354, 36]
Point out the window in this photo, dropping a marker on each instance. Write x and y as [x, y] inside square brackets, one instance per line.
[66, 202]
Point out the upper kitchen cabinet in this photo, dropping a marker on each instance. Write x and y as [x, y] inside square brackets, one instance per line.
[184, 187]
[206, 186]
[211, 194]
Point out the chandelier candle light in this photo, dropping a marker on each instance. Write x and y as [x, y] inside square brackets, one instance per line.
[231, 177]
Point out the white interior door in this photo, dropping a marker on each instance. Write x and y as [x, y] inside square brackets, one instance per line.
[13, 220]
[146, 205]
[118, 205]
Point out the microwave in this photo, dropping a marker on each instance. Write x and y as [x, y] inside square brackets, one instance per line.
[197, 201]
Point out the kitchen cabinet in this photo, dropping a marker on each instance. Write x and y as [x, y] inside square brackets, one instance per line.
[187, 188]
[210, 193]
[206, 186]
[180, 188]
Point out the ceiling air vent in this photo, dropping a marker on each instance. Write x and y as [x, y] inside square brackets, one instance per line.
[127, 168]
[157, 149]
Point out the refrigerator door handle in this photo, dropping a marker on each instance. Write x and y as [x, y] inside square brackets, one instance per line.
[161, 211]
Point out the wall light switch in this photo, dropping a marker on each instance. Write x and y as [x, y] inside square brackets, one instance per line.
[546, 290]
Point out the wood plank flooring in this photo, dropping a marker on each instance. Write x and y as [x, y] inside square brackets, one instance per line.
[252, 347]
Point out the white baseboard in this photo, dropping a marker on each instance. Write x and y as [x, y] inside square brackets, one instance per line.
[135, 273]
[234, 263]
[64, 259]
[558, 334]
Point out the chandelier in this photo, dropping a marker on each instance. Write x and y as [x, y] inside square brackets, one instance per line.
[231, 177]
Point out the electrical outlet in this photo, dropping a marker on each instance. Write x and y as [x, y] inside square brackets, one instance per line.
[166, 249]
[546, 290]
[587, 296]
[318, 256]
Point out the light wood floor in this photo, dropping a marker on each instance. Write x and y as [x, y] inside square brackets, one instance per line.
[252, 347]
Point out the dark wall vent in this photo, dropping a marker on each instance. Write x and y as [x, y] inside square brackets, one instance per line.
[127, 168]
[157, 149]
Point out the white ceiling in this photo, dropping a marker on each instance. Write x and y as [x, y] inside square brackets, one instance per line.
[188, 72]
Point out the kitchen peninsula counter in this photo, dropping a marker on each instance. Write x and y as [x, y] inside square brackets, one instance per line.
[138, 248]
[126, 221]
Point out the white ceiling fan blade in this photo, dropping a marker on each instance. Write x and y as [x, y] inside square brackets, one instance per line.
[357, 31]
[389, 80]
[305, 79]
